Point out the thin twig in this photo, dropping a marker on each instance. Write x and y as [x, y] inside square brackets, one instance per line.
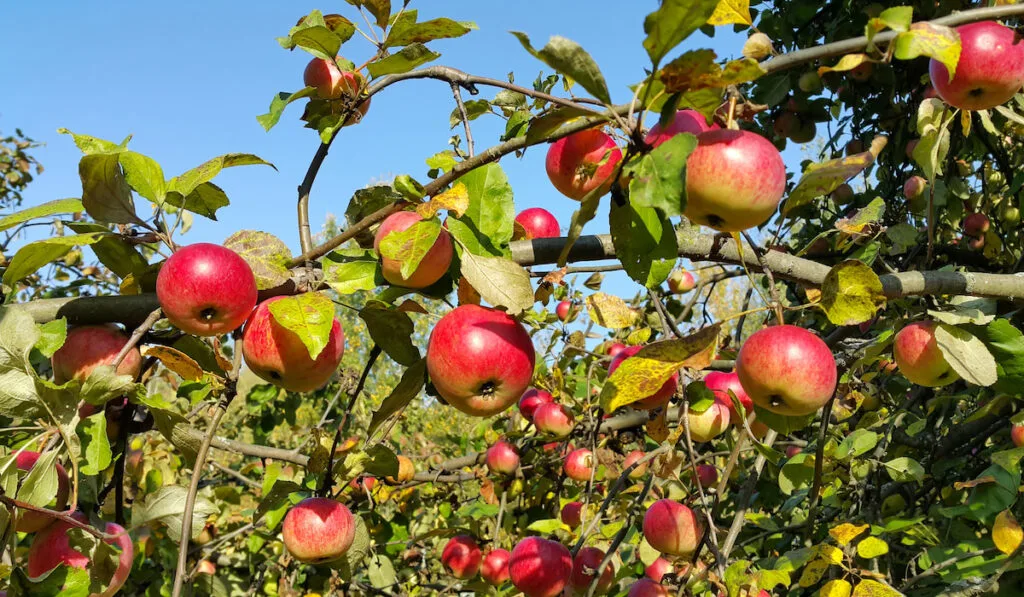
[744, 499]
[457, 92]
[137, 335]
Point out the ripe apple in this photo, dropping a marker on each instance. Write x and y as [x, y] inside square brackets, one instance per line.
[734, 180]
[480, 360]
[975, 244]
[646, 587]
[564, 311]
[90, 346]
[51, 548]
[672, 528]
[658, 569]
[206, 289]
[918, 356]
[30, 522]
[976, 224]
[914, 187]
[363, 484]
[684, 121]
[532, 399]
[706, 426]
[632, 458]
[579, 464]
[720, 384]
[494, 569]
[787, 370]
[462, 556]
[318, 530]
[615, 348]
[990, 70]
[536, 223]
[540, 567]
[583, 162]
[707, 475]
[406, 471]
[332, 83]
[681, 282]
[792, 451]
[572, 514]
[1017, 434]
[431, 268]
[584, 570]
[206, 567]
[277, 354]
[659, 398]
[554, 420]
[502, 458]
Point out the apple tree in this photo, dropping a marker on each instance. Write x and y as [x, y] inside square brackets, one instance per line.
[443, 394]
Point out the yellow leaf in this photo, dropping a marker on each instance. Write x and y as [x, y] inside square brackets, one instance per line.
[851, 293]
[175, 360]
[455, 200]
[872, 547]
[848, 62]
[830, 553]
[657, 428]
[846, 532]
[610, 311]
[730, 12]
[1006, 532]
[836, 588]
[873, 588]
[813, 572]
[697, 69]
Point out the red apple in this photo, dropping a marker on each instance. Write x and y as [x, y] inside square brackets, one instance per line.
[431, 268]
[707, 475]
[51, 548]
[462, 556]
[206, 567]
[318, 530]
[720, 384]
[658, 569]
[659, 398]
[787, 370]
[584, 571]
[706, 426]
[363, 484]
[1017, 434]
[672, 528]
[918, 357]
[579, 464]
[632, 458]
[734, 180]
[30, 522]
[540, 567]
[911, 146]
[502, 458]
[554, 420]
[615, 348]
[494, 569]
[532, 399]
[976, 224]
[975, 244]
[792, 451]
[681, 282]
[90, 346]
[480, 360]
[684, 121]
[572, 514]
[536, 223]
[990, 70]
[583, 162]
[206, 289]
[277, 355]
[914, 187]
[333, 83]
[646, 587]
[564, 310]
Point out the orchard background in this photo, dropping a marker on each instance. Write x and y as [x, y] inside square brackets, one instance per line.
[899, 219]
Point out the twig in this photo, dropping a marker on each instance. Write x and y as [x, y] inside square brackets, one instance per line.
[61, 516]
[305, 235]
[712, 532]
[819, 459]
[938, 567]
[772, 290]
[617, 540]
[457, 92]
[137, 335]
[744, 500]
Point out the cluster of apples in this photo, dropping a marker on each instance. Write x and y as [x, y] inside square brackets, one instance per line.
[332, 83]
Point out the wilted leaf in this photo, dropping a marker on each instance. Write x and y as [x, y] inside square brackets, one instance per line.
[865, 220]
[406, 31]
[821, 179]
[846, 63]
[610, 311]
[696, 70]
[813, 572]
[266, 255]
[309, 315]
[966, 354]
[928, 39]
[851, 293]
[175, 360]
[455, 200]
[874, 588]
[836, 588]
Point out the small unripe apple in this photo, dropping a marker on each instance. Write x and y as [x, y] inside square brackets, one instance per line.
[656, 400]
[90, 346]
[792, 451]
[1010, 216]
[206, 289]
[672, 528]
[681, 281]
[572, 514]
[540, 567]
[431, 268]
[536, 222]
[806, 133]
[51, 548]
[462, 556]
[582, 163]
[632, 458]
[1017, 434]
[494, 568]
[810, 82]
[480, 360]
[706, 426]
[914, 187]
[658, 569]
[579, 464]
[918, 356]
[584, 571]
[706, 474]
[554, 420]
[531, 399]
[976, 224]
[990, 69]
[31, 522]
[318, 530]
[787, 370]
[278, 355]
[843, 194]
[720, 383]
[502, 458]
[564, 310]
[684, 121]
[646, 587]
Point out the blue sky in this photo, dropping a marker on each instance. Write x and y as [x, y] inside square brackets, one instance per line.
[188, 79]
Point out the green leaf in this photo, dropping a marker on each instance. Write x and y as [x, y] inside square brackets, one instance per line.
[52, 335]
[350, 270]
[933, 120]
[353, 559]
[967, 355]
[486, 227]
[187, 182]
[580, 217]
[319, 35]
[411, 245]
[366, 201]
[548, 526]
[113, 250]
[658, 179]
[851, 293]
[92, 433]
[379, 9]
[499, 280]
[392, 330]
[857, 443]
[821, 179]
[403, 61]
[104, 384]
[167, 506]
[928, 39]
[568, 58]
[92, 145]
[474, 109]
[39, 486]
[279, 103]
[50, 208]
[408, 388]
[645, 243]
[144, 175]
[781, 423]
[204, 200]
[106, 195]
[905, 470]
[673, 22]
[381, 572]
[406, 31]
[1006, 344]
[381, 461]
[797, 473]
[309, 315]
[35, 255]
[266, 255]
[543, 126]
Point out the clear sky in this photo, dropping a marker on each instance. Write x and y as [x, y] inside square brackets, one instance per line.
[188, 79]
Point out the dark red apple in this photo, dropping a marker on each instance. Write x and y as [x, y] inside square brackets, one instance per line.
[684, 121]
[480, 360]
[462, 556]
[540, 567]
[572, 514]
[583, 162]
[431, 268]
[584, 571]
[976, 224]
[658, 569]
[615, 348]
[672, 528]
[502, 458]
[51, 548]
[318, 530]
[31, 522]
[720, 383]
[659, 398]
[90, 346]
[554, 420]
[990, 70]
[1017, 434]
[646, 587]
[531, 399]
[787, 370]
[707, 475]
[206, 289]
[494, 569]
[536, 222]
